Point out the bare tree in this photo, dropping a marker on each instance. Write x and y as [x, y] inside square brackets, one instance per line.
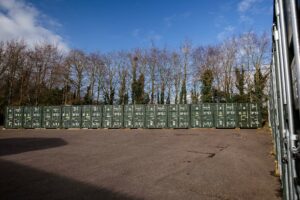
[77, 62]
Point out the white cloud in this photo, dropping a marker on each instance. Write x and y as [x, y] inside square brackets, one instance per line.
[246, 19]
[169, 20]
[245, 5]
[153, 36]
[20, 20]
[228, 30]
[136, 32]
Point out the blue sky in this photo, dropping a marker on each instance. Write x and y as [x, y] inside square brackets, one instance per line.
[108, 25]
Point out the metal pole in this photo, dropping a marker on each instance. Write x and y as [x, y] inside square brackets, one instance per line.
[296, 45]
[281, 111]
[290, 130]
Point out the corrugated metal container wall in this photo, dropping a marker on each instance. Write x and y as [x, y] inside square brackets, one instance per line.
[220, 121]
[255, 115]
[32, 117]
[128, 116]
[14, 117]
[161, 116]
[139, 116]
[96, 112]
[184, 116]
[207, 115]
[71, 117]
[86, 117]
[9, 117]
[51, 117]
[150, 116]
[231, 115]
[243, 115]
[107, 117]
[196, 121]
[76, 117]
[66, 117]
[117, 116]
[173, 116]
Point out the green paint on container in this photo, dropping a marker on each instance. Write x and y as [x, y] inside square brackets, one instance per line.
[139, 116]
[117, 116]
[107, 116]
[128, 116]
[243, 115]
[32, 117]
[207, 115]
[196, 120]
[173, 116]
[150, 116]
[183, 116]
[255, 118]
[161, 116]
[14, 117]
[71, 117]
[51, 117]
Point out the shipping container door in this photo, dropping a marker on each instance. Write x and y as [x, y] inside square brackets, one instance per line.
[207, 115]
[86, 116]
[196, 121]
[161, 116]
[139, 116]
[220, 115]
[243, 115]
[150, 116]
[173, 116]
[107, 116]
[96, 116]
[117, 116]
[231, 115]
[128, 116]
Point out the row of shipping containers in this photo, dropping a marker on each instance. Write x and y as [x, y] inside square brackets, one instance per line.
[206, 115]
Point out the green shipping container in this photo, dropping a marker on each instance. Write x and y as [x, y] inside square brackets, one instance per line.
[91, 116]
[184, 116]
[51, 117]
[14, 117]
[243, 115]
[117, 116]
[32, 117]
[173, 116]
[128, 116]
[86, 117]
[107, 117]
[139, 116]
[207, 115]
[196, 120]
[71, 117]
[161, 116]
[220, 116]
[231, 115]
[255, 117]
[150, 116]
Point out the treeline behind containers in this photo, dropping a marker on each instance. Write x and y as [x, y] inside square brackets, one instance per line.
[206, 115]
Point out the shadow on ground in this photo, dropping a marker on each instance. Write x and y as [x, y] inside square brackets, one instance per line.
[23, 182]
[19, 145]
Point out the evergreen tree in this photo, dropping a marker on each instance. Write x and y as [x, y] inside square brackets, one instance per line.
[240, 84]
[207, 83]
[87, 98]
[162, 94]
[139, 94]
[183, 93]
[260, 82]
[134, 82]
[122, 90]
